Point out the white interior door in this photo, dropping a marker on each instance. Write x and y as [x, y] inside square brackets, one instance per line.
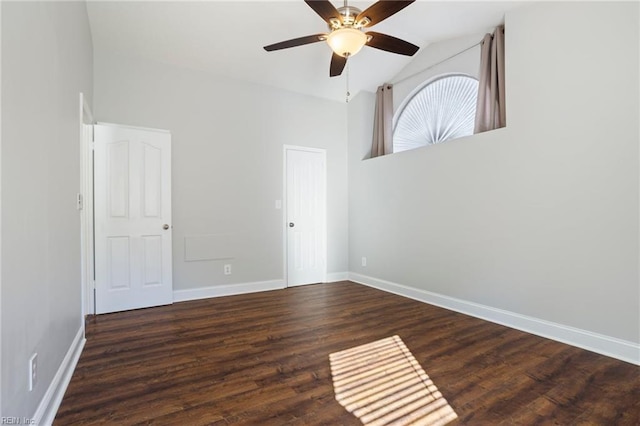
[306, 215]
[132, 218]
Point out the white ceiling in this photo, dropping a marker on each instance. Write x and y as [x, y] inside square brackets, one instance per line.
[226, 38]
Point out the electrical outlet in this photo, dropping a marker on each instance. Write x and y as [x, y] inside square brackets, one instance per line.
[364, 261]
[227, 269]
[33, 371]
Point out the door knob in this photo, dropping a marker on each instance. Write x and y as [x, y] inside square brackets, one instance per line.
[165, 226]
[291, 225]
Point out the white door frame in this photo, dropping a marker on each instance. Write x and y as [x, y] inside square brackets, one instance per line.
[1, 411]
[285, 252]
[86, 213]
[87, 228]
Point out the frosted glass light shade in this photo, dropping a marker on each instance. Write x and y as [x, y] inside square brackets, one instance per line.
[346, 41]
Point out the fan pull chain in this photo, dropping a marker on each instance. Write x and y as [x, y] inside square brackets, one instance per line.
[348, 93]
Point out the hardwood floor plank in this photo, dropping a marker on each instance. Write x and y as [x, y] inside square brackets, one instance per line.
[263, 358]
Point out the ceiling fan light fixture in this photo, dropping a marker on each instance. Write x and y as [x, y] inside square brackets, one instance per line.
[346, 41]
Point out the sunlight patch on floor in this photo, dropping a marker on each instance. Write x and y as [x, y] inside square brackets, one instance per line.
[381, 383]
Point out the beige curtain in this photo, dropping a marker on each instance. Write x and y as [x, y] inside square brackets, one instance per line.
[491, 109]
[383, 122]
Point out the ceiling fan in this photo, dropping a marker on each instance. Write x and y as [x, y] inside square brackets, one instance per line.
[346, 36]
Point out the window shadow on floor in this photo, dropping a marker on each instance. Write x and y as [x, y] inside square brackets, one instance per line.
[381, 383]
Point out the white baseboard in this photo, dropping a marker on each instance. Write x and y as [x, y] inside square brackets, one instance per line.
[243, 288]
[226, 290]
[594, 342]
[48, 407]
[333, 277]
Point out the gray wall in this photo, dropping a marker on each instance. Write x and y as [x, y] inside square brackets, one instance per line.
[46, 63]
[539, 218]
[228, 139]
[436, 59]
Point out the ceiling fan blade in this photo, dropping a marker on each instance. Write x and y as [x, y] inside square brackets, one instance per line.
[296, 42]
[325, 9]
[381, 10]
[337, 65]
[391, 44]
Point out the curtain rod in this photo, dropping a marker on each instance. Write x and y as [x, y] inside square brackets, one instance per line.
[437, 63]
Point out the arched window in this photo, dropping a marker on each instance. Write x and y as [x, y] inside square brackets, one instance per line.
[443, 108]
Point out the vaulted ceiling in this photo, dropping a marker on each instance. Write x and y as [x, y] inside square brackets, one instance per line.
[226, 38]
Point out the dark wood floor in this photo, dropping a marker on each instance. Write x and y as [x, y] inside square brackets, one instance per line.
[263, 359]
